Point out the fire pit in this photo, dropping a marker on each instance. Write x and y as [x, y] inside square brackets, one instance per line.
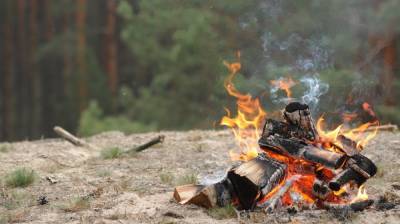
[291, 161]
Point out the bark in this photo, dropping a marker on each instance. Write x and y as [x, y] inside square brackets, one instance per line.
[22, 88]
[7, 131]
[387, 78]
[111, 49]
[81, 52]
[34, 75]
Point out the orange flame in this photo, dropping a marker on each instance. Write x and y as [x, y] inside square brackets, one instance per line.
[247, 124]
[284, 84]
[361, 195]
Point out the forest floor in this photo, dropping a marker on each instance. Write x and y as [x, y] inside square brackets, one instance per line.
[139, 188]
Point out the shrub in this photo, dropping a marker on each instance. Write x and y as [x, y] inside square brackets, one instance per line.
[111, 153]
[20, 177]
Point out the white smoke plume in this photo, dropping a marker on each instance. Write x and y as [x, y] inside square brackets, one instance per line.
[315, 88]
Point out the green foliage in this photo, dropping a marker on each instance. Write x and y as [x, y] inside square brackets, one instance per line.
[93, 121]
[167, 178]
[111, 153]
[219, 213]
[20, 177]
[5, 147]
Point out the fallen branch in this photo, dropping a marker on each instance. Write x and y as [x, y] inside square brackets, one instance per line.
[73, 139]
[154, 141]
[386, 127]
[355, 206]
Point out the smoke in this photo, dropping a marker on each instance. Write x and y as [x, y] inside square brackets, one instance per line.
[315, 88]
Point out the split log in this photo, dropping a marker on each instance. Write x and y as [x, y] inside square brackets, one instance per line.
[359, 169]
[255, 179]
[298, 149]
[244, 184]
[73, 139]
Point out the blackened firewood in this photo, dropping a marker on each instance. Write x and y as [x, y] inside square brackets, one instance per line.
[298, 149]
[320, 189]
[348, 146]
[359, 169]
[298, 114]
[255, 178]
[284, 129]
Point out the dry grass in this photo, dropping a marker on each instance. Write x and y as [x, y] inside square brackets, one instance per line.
[5, 147]
[227, 212]
[76, 204]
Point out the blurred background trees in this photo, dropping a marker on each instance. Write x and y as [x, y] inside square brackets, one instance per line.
[136, 65]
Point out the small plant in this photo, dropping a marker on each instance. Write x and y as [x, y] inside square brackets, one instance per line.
[166, 178]
[111, 153]
[187, 179]
[76, 204]
[20, 177]
[226, 212]
[5, 147]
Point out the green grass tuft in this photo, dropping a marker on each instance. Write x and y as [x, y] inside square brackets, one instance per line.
[166, 178]
[111, 153]
[5, 147]
[20, 177]
[227, 212]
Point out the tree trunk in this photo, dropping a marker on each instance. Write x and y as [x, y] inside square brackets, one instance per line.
[34, 75]
[81, 53]
[111, 50]
[387, 78]
[7, 131]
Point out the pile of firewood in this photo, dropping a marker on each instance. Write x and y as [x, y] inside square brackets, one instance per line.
[262, 181]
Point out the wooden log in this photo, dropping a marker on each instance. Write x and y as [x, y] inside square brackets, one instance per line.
[154, 141]
[355, 206]
[73, 139]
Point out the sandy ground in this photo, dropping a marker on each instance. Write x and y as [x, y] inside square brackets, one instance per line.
[138, 189]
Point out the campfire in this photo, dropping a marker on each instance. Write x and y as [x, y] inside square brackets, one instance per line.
[291, 161]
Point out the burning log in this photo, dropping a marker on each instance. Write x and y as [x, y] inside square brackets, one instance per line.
[359, 169]
[246, 183]
[298, 149]
[297, 162]
[255, 178]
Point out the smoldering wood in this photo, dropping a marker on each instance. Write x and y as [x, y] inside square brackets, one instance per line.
[320, 189]
[254, 178]
[72, 138]
[298, 149]
[244, 183]
[274, 201]
[150, 143]
[299, 114]
[348, 146]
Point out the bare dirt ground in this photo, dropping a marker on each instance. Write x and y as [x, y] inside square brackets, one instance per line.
[139, 188]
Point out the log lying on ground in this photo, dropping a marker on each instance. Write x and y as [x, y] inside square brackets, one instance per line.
[154, 141]
[244, 184]
[82, 143]
[355, 206]
[73, 139]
